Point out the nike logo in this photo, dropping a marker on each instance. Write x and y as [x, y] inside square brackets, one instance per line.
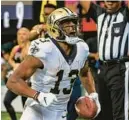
[63, 116]
[45, 100]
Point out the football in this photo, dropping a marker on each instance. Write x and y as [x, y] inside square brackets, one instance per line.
[86, 107]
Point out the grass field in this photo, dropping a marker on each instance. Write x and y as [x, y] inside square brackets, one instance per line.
[5, 116]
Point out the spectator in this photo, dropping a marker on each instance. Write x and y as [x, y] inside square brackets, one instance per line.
[19, 51]
[6, 69]
[113, 47]
[46, 8]
[17, 54]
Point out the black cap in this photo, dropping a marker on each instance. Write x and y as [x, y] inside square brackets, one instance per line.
[50, 5]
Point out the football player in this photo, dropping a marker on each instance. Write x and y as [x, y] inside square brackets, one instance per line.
[53, 64]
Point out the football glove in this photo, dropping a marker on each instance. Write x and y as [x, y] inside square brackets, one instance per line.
[94, 96]
[46, 99]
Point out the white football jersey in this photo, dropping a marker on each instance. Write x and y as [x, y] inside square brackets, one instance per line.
[60, 70]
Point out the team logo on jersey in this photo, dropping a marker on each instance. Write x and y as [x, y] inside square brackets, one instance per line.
[34, 49]
[64, 116]
[45, 100]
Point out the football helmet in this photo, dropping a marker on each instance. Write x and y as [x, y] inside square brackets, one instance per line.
[55, 28]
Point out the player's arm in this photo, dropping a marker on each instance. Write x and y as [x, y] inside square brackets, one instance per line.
[88, 83]
[11, 57]
[34, 34]
[85, 5]
[94, 55]
[16, 82]
[36, 31]
[87, 79]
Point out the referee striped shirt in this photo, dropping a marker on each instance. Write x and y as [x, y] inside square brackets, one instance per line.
[113, 32]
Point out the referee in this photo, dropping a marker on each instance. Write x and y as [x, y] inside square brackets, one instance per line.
[113, 47]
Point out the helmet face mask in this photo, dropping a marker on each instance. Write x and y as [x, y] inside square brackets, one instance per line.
[63, 26]
[69, 27]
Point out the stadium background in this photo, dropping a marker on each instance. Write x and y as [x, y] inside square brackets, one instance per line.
[15, 14]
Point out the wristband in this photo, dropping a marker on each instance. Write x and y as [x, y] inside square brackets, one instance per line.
[35, 97]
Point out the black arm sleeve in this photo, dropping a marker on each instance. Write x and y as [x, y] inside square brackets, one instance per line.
[94, 11]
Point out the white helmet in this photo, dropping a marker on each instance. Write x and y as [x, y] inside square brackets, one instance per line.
[54, 25]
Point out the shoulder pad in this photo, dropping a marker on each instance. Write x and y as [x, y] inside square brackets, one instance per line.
[40, 47]
[83, 45]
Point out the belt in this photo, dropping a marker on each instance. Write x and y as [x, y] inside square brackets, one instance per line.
[114, 61]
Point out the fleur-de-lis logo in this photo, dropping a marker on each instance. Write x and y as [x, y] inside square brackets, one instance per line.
[34, 49]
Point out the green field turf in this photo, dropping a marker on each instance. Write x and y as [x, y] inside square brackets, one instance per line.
[5, 116]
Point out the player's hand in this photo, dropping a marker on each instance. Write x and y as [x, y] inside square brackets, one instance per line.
[94, 96]
[39, 28]
[45, 99]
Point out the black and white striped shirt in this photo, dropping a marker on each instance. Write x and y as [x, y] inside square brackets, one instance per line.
[113, 32]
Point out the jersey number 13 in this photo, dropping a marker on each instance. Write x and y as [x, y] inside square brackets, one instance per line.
[73, 75]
